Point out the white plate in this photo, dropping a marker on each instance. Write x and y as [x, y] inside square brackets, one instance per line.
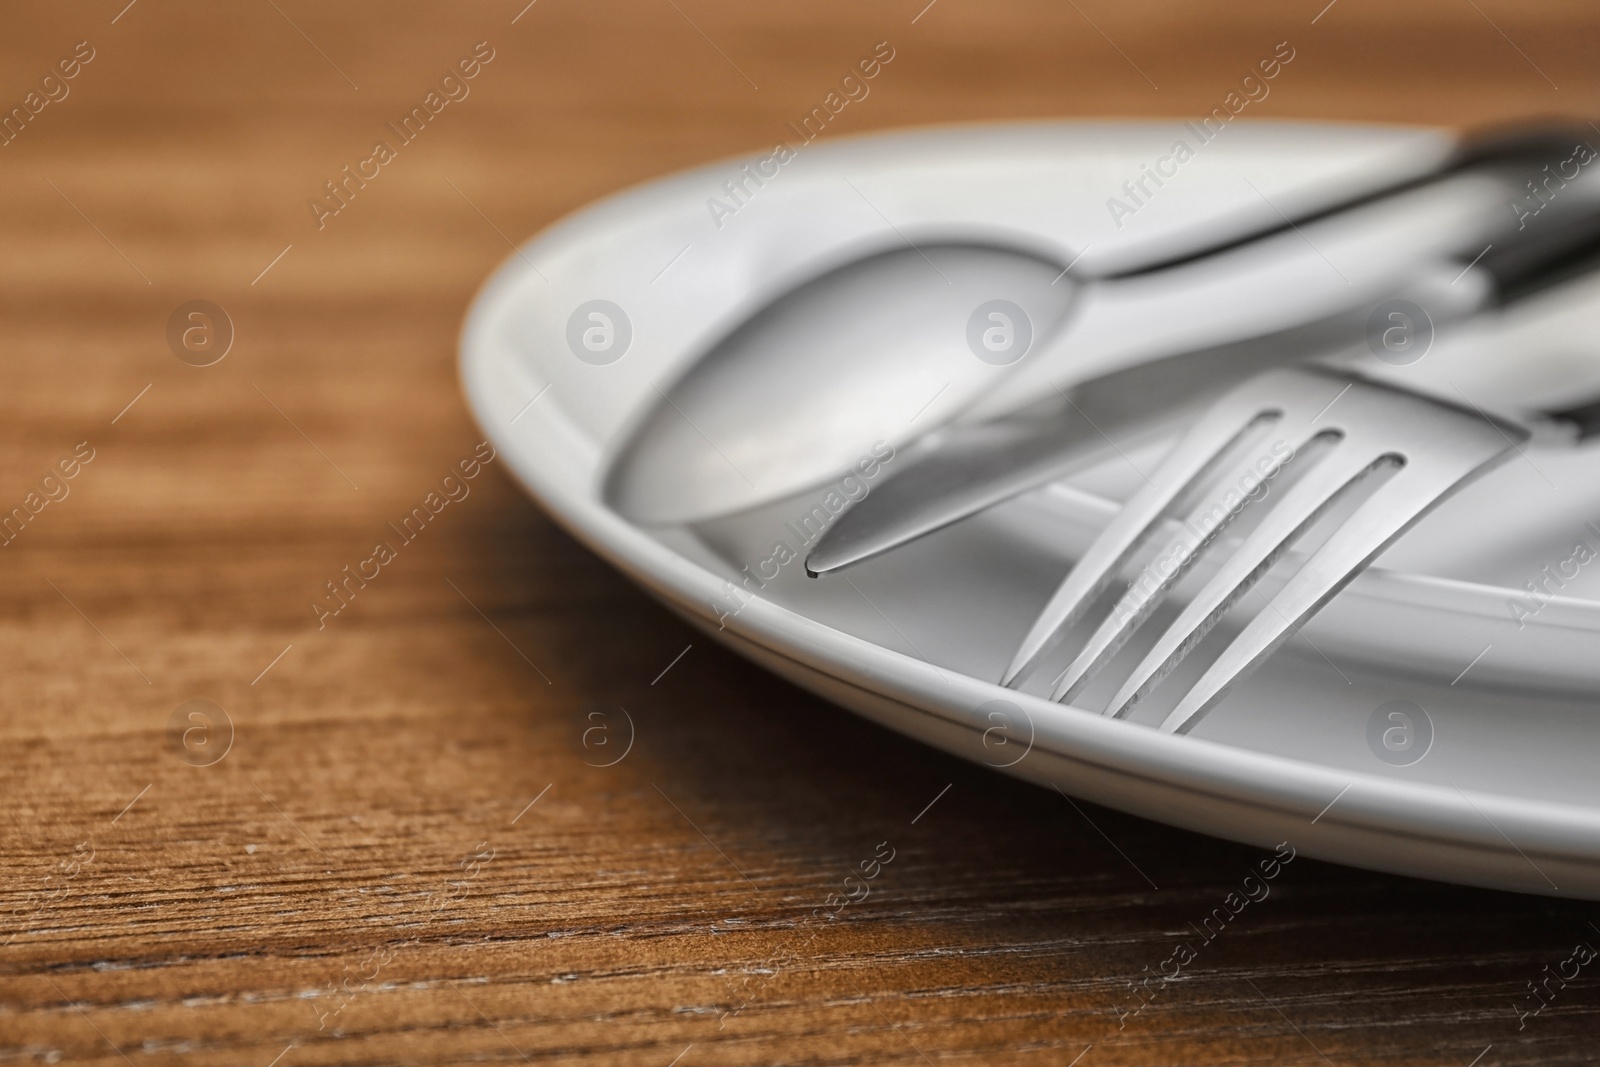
[1504, 795]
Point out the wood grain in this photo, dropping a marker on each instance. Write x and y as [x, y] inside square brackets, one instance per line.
[360, 877]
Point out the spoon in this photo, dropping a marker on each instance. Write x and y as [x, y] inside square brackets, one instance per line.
[891, 346]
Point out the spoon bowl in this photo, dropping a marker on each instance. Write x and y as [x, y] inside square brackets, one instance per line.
[877, 351]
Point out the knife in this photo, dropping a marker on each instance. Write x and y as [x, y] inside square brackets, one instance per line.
[962, 469]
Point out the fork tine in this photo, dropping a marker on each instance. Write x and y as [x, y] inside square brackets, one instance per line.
[1394, 508]
[1195, 455]
[1316, 491]
[1199, 531]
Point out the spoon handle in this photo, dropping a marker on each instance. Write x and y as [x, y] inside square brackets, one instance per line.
[1493, 148]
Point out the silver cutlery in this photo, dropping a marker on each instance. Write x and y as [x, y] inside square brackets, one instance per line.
[1329, 436]
[876, 347]
[967, 467]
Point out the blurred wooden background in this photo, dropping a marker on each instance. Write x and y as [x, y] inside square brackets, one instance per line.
[360, 878]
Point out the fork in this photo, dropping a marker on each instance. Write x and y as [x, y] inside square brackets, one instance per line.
[1334, 435]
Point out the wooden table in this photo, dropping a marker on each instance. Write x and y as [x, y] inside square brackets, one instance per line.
[392, 841]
